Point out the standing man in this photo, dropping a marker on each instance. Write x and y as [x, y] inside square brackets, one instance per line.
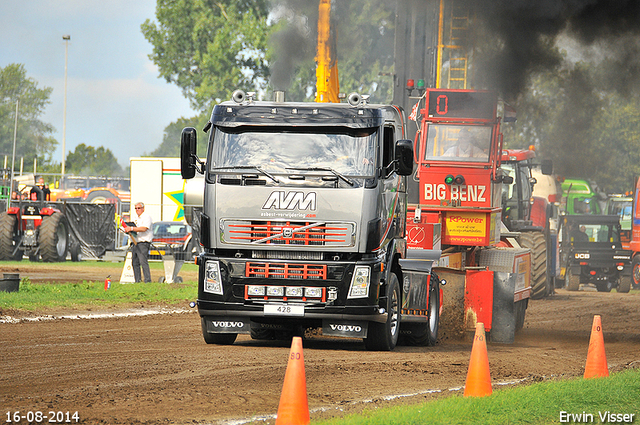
[40, 192]
[140, 251]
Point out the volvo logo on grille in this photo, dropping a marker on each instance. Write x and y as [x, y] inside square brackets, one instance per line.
[287, 232]
[281, 200]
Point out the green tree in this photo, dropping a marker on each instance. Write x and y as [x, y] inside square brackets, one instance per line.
[34, 137]
[209, 48]
[170, 146]
[89, 161]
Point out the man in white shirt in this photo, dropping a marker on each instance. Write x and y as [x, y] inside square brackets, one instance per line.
[143, 229]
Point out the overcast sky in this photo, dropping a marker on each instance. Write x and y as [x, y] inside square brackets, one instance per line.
[114, 96]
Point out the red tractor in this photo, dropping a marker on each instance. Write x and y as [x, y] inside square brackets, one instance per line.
[35, 230]
[459, 149]
[533, 217]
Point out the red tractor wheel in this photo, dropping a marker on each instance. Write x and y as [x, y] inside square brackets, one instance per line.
[8, 238]
[53, 238]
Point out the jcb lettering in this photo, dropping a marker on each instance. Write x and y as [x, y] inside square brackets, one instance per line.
[435, 192]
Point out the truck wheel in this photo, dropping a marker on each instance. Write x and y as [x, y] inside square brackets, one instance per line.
[8, 228]
[521, 311]
[635, 272]
[624, 284]
[263, 334]
[536, 242]
[607, 286]
[384, 336]
[573, 282]
[426, 334]
[221, 339]
[53, 238]
[100, 197]
[76, 251]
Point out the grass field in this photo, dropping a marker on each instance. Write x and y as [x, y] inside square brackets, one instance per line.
[615, 399]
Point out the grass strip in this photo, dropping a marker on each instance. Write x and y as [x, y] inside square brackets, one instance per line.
[38, 297]
[549, 402]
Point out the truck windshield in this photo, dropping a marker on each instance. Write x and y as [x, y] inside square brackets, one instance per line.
[350, 152]
[446, 142]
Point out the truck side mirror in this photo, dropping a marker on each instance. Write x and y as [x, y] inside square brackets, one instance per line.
[188, 143]
[404, 157]
[546, 167]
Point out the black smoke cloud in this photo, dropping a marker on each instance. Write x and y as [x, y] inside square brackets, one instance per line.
[295, 42]
[518, 36]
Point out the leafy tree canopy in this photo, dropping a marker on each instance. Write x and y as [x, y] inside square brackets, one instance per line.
[89, 161]
[34, 138]
[170, 146]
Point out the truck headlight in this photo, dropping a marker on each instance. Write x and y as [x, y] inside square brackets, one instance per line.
[360, 282]
[212, 279]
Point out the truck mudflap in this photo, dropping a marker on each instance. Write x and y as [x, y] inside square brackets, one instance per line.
[416, 274]
[236, 325]
[495, 295]
[350, 329]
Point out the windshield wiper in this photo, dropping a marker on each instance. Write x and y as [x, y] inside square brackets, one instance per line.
[248, 167]
[330, 170]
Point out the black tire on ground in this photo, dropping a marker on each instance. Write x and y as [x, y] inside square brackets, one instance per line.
[384, 336]
[161, 280]
[8, 231]
[178, 279]
[573, 282]
[605, 286]
[537, 243]
[521, 310]
[100, 197]
[221, 339]
[75, 251]
[34, 257]
[624, 284]
[635, 272]
[426, 334]
[263, 334]
[53, 238]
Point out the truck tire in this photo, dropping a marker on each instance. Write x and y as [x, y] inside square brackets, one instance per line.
[537, 243]
[53, 238]
[624, 285]
[573, 282]
[101, 197]
[607, 286]
[635, 272]
[384, 336]
[8, 224]
[220, 339]
[426, 334]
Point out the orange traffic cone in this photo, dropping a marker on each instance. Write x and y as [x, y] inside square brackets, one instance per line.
[294, 407]
[596, 366]
[478, 377]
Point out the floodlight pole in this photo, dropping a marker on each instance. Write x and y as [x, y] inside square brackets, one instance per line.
[66, 39]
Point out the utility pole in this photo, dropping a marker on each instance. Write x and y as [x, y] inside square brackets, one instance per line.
[66, 39]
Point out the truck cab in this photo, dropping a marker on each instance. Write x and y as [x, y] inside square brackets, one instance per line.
[303, 221]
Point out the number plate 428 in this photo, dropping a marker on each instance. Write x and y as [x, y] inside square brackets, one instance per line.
[284, 310]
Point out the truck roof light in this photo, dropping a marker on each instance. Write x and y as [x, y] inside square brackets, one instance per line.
[420, 83]
[459, 179]
[410, 83]
[449, 179]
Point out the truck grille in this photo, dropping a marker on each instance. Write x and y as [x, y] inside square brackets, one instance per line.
[286, 271]
[301, 233]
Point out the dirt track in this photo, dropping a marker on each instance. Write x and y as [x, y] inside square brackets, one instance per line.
[157, 369]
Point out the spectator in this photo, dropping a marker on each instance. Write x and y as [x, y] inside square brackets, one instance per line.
[40, 192]
[142, 236]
